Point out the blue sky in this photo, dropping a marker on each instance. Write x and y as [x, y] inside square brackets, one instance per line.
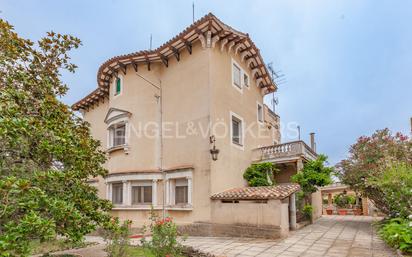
[348, 63]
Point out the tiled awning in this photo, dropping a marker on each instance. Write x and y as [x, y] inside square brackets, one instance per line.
[279, 191]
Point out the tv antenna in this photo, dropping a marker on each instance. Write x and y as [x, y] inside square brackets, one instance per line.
[278, 78]
[193, 12]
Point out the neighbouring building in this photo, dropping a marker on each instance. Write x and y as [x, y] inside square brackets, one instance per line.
[206, 87]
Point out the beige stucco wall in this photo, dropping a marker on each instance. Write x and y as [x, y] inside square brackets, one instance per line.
[317, 204]
[197, 94]
[273, 213]
[225, 98]
[286, 170]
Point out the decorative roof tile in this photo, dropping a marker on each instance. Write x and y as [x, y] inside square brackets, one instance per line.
[208, 23]
[279, 191]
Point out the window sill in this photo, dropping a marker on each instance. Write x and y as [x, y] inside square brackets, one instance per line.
[112, 149]
[238, 146]
[238, 88]
[148, 208]
[135, 207]
[180, 208]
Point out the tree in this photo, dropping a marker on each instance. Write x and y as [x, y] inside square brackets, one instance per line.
[260, 174]
[369, 158]
[47, 153]
[314, 174]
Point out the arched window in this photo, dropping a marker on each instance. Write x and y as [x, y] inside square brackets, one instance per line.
[117, 129]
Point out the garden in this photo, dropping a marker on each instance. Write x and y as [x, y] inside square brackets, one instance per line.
[343, 203]
[380, 167]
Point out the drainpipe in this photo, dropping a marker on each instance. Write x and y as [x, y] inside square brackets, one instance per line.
[312, 141]
[292, 211]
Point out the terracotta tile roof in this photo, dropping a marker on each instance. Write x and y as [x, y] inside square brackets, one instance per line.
[182, 41]
[279, 191]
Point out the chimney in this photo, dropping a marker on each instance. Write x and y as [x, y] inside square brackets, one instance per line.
[411, 126]
[312, 141]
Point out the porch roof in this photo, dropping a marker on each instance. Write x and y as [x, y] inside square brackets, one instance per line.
[279, 191]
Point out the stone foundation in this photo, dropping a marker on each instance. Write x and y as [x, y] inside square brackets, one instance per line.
[226, 230]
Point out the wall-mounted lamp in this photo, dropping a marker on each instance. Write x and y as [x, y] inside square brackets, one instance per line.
[214, 152]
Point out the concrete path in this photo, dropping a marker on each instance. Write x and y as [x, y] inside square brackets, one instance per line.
[330, 236]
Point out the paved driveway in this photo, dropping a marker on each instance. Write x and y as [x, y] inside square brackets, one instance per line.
[329, 236]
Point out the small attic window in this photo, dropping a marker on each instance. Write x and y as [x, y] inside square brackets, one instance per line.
[245, 80]
[118, 86]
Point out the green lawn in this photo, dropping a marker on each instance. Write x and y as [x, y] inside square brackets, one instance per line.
[136, 251]
[140, 252]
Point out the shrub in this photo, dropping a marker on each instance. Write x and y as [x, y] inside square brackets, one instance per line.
[343, 200]
[117, 238]
[397, 232]
[308, 211]
[395, 184]
[164, 237]
[260, 174]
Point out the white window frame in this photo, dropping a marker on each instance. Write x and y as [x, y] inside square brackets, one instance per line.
[141, 183]
[130, 180]
[113, 128]
[170, 189]
[242, 80]
[242, 130]
[110, 134]
[257, 113]
[240, 87]
[114, 86]
[111, 196]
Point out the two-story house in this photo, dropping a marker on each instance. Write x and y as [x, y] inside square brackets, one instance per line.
[205, 87]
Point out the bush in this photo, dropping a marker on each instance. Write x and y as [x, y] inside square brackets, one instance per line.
[343, 200]
[164, 237]
[397, 233]
[308, 211]
[395, 184]
[260, 174]
[117, 239]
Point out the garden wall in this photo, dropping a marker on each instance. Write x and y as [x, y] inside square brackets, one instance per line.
[269, 219]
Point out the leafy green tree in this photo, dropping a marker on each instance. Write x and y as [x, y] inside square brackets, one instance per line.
[46, 152]
[314, 174]
[260, 174]
[369, 158]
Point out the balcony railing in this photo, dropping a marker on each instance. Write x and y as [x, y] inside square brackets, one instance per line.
[285, 152]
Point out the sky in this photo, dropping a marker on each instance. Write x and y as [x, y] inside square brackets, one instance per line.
[347, 64]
